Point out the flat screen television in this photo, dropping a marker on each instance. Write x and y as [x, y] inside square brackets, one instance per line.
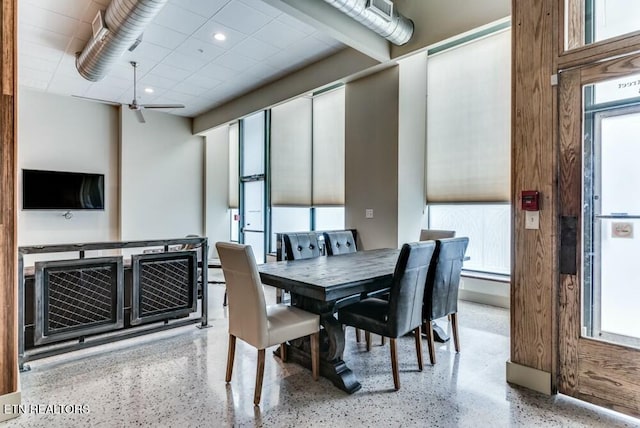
[58, 190]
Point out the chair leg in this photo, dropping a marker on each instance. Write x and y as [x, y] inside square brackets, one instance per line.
[382, 341]
[259, 376]
[358, 335]
[418, 336]
[432, 352]
[394, 363]
[230, 356]
[367, 338]
[283, 352]
[224, 301]
[454, 329]
[315, 355]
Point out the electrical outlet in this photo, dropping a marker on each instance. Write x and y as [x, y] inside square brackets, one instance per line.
[368, 213]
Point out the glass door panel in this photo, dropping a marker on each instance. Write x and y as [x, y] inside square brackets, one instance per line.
[254, 206]
[611, 277]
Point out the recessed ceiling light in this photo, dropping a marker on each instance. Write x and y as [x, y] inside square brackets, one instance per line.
[148, 90]
[219, 36]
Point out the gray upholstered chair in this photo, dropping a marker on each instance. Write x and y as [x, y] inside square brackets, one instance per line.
[255, 323]
[342, 242]
[301, 245]
[339, 242]
[441, 290]
[433, 234]
[402, 313]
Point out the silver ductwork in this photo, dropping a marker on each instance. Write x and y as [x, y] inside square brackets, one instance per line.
[125, 21]
[384, 20]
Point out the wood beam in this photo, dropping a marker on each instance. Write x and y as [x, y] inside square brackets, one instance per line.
[8, 295]
[534, 264]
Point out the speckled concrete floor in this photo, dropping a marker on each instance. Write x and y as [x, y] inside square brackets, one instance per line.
[176, 379]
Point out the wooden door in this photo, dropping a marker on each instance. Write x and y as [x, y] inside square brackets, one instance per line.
[599, 345]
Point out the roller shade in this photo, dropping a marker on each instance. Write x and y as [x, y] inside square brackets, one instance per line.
[468, 122]
[291, 153]
[234, 165]
[328, 148]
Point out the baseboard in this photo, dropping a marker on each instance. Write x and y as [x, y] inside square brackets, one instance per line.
[485, 291]
[484, 298]
[7, 403]
[528, 377]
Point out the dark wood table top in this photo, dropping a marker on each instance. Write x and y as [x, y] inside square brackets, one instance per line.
[334, 277]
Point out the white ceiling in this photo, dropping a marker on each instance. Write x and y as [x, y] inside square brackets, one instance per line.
[178, 56]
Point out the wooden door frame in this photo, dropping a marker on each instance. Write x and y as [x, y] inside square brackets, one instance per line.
[585, 367]
[8, 223]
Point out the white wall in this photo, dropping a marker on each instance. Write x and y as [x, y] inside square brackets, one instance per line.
[67, 134]
[154, 172]
[217, 182]
[412, 115]
[486, 291]
[162, 189]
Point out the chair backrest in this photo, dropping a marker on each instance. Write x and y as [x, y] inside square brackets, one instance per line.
[433, 234]
[441, 291]
[186, 247]
[407, 287]
[301, 245]
[339, 242]
[247, 307]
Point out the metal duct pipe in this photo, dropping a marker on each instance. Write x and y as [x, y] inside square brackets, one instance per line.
[125, 21]
[398, 30]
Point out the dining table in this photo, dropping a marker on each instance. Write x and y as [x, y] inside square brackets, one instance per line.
[322, 285]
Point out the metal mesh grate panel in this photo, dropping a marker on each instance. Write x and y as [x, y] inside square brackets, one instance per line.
[79, 297]
[164, 286]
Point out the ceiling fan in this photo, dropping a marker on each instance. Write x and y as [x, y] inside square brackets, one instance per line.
[137, 108]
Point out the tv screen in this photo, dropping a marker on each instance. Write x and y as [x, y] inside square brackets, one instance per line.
[57, 190]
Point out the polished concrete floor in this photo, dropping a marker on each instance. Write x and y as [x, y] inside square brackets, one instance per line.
[176, 379]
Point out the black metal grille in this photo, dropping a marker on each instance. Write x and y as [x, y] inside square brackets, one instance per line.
[79, 297]
[164, 285]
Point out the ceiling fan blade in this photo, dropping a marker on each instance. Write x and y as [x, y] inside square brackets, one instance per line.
[140, 116]
[162, 105]
[98, 100]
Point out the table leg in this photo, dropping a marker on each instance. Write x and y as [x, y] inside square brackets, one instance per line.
[332, 342]
[439, 335]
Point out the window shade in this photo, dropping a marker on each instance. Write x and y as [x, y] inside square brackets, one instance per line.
[328, 148]
[291, 153]
[234, 165]
[468, 122]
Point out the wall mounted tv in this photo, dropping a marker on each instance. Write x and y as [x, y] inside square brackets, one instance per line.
[57, 190]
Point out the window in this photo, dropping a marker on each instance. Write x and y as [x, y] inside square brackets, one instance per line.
[488, 228]
[289, 219]
[253, 141]
[234, 181]
[468, 147]
[329, 218]
[307, 164]
[591, 21]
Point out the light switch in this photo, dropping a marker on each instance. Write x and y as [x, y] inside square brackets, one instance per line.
[368, 213]
[532, 220]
